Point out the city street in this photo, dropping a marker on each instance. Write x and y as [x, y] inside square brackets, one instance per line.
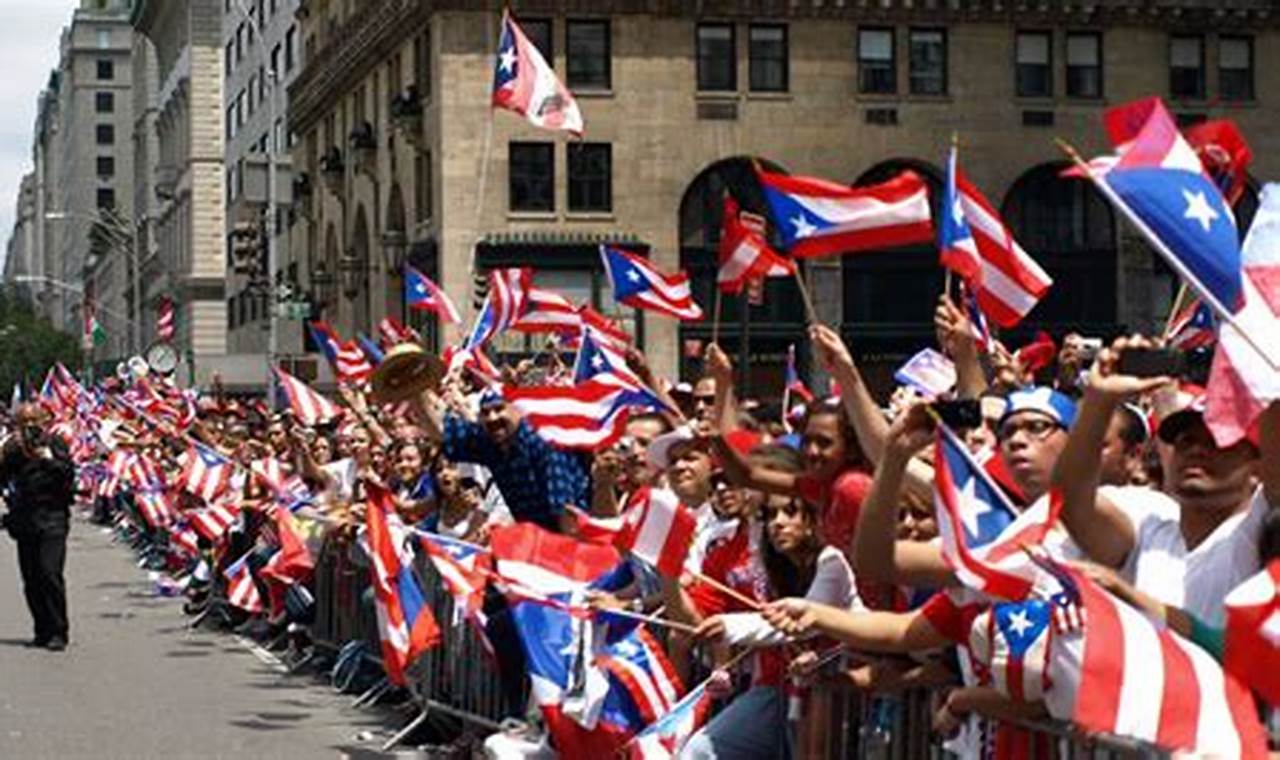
[135, 684]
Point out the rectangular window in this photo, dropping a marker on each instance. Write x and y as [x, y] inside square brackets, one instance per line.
[768, 60]
[590, 176]
[587, 55]
[289, 39]
[927, 61]
[422, 186]
[104, 38]
[106, 198]
[422, 63]
[1084, 65]
[262, 84]
[717, 58]
[532, 176]
[1235, 68]
[1186, 67]
[538, 30]
[106, 166]
[231, 122]
[239, 43]
[1034, 64]
[106, 69]
[104, 102]
[877, 68]
[105, 134]
[253, 92]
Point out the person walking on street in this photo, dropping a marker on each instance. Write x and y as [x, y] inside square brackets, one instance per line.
[38, 477]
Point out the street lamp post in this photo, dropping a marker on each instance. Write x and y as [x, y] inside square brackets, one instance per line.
[273, 153]
[124, 235]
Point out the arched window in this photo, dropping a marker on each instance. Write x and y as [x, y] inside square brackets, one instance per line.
[1067, 226]
[890, 296]
[757, 337]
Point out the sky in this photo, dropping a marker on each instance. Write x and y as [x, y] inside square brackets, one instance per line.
[28, 51]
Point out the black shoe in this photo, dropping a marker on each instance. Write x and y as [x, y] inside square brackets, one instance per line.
[39, 642]
[56, 644]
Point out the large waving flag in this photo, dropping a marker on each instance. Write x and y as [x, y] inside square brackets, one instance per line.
[663, 739]
[546, 311]
[958, 250]
[1126, 675]
[745, 254]
[525, 83]
[588, 416]
[598, 359]
[663, 531]
[637, 283]
[508, 294]
[817, 217]
[205, 472]
[349, 363]
[536, 563]
[405, 623]
[242, 591]
[310, 407]
[1253, 632]
[1158, 182]
[1243, 381]
[421, 294]
[465, 570]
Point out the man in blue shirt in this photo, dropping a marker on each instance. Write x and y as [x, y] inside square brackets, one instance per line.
[537, 480]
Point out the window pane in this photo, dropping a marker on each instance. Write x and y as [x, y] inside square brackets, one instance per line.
[1235, 63]
[587, 44]
[1186, 67]
[1033, 48]
[768, 58]
[1185, 52]
[590, 177]
[1234, 53]
[1082, 50]
[876, 72]
[1034, 65]
[717, 61]
[1084, 65]
[928, 61]
[532, 177]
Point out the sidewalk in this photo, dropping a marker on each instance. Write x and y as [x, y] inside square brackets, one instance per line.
[135, 684]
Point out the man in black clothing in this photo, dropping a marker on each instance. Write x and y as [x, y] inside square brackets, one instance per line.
[38, 477]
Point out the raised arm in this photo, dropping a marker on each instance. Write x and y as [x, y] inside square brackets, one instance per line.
[359, 406]
[1095, 524]
[737, 469]
[955, 335]
[867, 630]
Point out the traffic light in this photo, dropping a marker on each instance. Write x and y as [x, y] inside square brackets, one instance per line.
[246, 248]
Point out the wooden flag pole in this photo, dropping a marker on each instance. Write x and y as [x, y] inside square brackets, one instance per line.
[737, 595]
[809, 310]
[1174, 310]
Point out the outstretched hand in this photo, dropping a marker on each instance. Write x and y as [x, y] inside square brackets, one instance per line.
[1105, 378]
[792, 616]
[911, 431]
[831, 352]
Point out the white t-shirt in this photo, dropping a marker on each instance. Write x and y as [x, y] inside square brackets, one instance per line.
[1198, 579]
[833, 584]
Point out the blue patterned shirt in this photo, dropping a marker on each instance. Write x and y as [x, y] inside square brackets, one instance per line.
[536, 479]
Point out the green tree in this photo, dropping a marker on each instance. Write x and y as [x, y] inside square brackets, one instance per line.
[29, 344]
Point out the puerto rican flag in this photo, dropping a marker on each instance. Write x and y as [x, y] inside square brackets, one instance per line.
[349, 363]
[214, 522]
[606, 330]
[536, 563]
[393, 332]
[663, 531]
[372, 351]
[663, 738]
[465, 569]
[546, 311]
[242, 591]
[505, 304]
[310, 407]
[421, 294]
[525, 83]
[744, 253]
[1126, 675]
[1245, 378]
[165, 324]
[817, 217]
[1253, 632]
[406, 626]
[157, 508]
[1009, 283]
[637, 283]
[959, 251]
[599, 360]
[1194, 327]
[473, 359]
[205, 472]
[588, 416]
[930, 372]
[794, 386]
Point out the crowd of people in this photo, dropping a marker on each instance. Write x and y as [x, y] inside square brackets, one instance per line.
[819, 546]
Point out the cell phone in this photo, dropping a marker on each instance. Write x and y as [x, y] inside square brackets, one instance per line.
[960, 413]
[1089, 348]
[1151, 362]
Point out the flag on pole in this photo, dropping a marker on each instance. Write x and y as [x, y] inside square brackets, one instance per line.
[744, 253]
[958, 250]
[242, 591]
[508, 293]
[589, 416]
[794, 385]
[421, 294]
[663, 531]
[1253, 632]
[546, 311]
[637, 283]
[1194, 327]
[310, 407]
[525, 83]
[166, 326]
[817, 217]
[205, 472]
[94, 334]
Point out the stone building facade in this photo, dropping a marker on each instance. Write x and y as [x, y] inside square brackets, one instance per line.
[401, 158]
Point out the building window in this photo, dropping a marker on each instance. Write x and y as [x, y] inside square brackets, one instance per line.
[927, 61]
[1235, 68]
[262, 85]
[104, 38]
[717, 58]
[106, 198]
[422, 63]
[768, 59]
[587, 55]
[104, 102]
[275, 60]
[422, 195]
[231, 122]
[538, 31]
[1084, 65]
[532, 176]
[289, 44]
[1186, 67]
[253, 91]
[228, 63]
[239, 43]
[106, 69]
[590, 176]
[1034, 62]
[106, 166]
[105, 134]
[877, 72]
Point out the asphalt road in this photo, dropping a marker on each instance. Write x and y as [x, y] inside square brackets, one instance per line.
[135, 684]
